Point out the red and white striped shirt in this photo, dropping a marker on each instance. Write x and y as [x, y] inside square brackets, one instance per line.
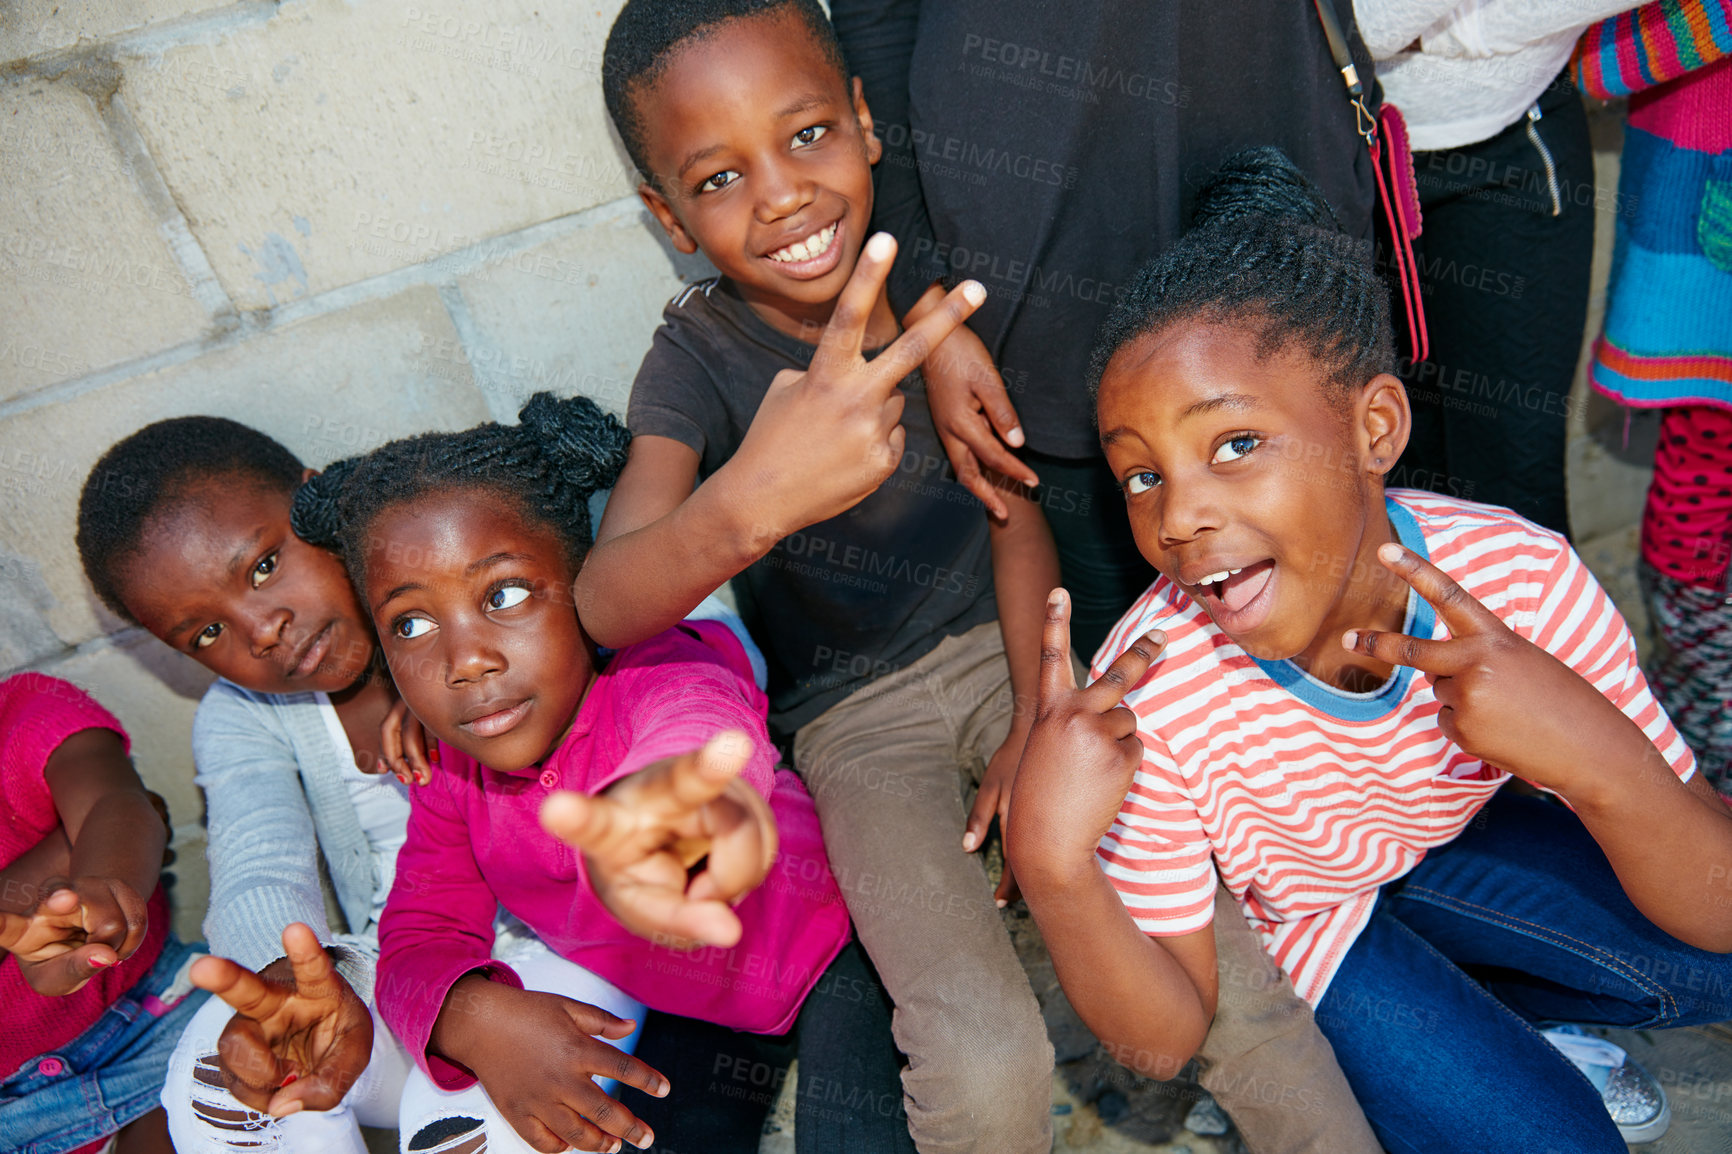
[1305, 798]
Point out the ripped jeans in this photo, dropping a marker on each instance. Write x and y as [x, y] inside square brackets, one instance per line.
[204, 1118]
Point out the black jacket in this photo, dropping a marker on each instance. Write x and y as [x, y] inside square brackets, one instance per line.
[1048, 148]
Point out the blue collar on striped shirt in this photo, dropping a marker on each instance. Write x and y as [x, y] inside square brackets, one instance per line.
[1380, 701]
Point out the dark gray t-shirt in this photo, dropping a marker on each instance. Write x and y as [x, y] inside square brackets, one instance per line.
[850, 599]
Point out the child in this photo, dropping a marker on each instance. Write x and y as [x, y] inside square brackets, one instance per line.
[900, 629]
[1349, 677]
[93, 986]
[464, 547]
[183, 527]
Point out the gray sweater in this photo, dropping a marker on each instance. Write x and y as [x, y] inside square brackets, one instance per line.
[275, 801]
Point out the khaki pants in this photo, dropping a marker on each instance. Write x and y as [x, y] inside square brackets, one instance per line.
[889, 768]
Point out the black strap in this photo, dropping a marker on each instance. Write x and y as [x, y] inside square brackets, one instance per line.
[1367, 121]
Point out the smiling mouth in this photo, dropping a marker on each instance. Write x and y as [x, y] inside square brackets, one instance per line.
[314, 654]
[1235, 597]
[498, 721]
[815, 253]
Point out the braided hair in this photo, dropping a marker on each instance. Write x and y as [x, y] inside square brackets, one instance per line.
[646, 34]
[142, 476]
[548, 465]
[1266, 250]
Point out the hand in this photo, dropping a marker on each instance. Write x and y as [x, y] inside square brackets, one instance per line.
[535, 1054]
[78, 928]
[300, 1036]
[1500, 697]
[993, 799]
[643, 834]
[408, 752]
[1081, 756]
[824, 440]
[971, 410]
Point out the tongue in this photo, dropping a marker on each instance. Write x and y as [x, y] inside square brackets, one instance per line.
[1238, 590]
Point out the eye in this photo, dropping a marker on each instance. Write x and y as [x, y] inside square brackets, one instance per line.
[810, 135]
[719, 181]
[266, 566]
[506, 596]
[1141, 482]
[409, 628]
[1236, 446]
[207, 636]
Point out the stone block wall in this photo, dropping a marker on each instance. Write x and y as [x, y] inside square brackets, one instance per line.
[341, 221]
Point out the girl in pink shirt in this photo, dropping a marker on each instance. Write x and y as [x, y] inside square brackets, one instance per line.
[94, 988]
[688, 871]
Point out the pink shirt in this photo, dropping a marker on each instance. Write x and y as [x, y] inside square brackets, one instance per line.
[474, 840]
[37, 714]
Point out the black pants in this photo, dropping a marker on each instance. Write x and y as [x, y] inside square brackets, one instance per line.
[1097, 556]
[1503, 259]
[849, 1095]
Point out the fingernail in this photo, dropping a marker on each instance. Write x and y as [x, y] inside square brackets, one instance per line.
[100, 964]
[1156, 637]
[1001, 902]
[969, 841]
[1055, 598]
[291, 1078]
[973, 292]
[880, 246]
[1350, 639]
[1015, 437]
[1389, 551]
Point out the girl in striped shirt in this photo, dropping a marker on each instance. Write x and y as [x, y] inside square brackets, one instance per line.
[1324, 697]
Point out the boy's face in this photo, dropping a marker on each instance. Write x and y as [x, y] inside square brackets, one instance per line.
[219, 575]
[1245, 469]
[762, 157]
[474, 611]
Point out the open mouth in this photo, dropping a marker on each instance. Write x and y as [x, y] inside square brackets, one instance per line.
[1238, 599]
[810, 256]
[314, 654]
[497, 721]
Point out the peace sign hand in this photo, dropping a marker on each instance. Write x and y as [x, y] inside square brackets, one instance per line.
[1500, 697]
[642, 835]
[300, 1036]
[1081, 756]
[825, 439]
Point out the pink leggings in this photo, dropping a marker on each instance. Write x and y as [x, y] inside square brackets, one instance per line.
[1687, 526]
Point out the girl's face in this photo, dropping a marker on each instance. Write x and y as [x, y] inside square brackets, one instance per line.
[474, 612]
[1255, 488]
[220, 576]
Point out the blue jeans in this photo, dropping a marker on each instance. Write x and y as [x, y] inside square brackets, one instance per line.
[108, 1076]
[1519, 920]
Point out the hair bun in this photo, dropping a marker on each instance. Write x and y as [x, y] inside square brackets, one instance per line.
[588, 446]
[314, 515]
[1262, 182]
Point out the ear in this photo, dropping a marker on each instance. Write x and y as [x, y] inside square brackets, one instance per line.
[308, 474]
[1385, 422]
[863, 115]
[664, 214]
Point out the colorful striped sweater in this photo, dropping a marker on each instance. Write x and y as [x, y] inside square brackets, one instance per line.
[1668, 331]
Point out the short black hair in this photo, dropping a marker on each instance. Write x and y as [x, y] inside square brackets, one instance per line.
[548, 464]
[1265, 250]
[141, 476]
[646, 33]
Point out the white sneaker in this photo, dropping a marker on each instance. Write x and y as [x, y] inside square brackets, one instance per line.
[1634, 1099]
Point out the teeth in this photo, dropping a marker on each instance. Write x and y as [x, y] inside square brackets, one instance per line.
[812, 246]
[1214, 577]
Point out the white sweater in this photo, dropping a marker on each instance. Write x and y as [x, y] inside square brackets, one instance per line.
[1480, 64]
